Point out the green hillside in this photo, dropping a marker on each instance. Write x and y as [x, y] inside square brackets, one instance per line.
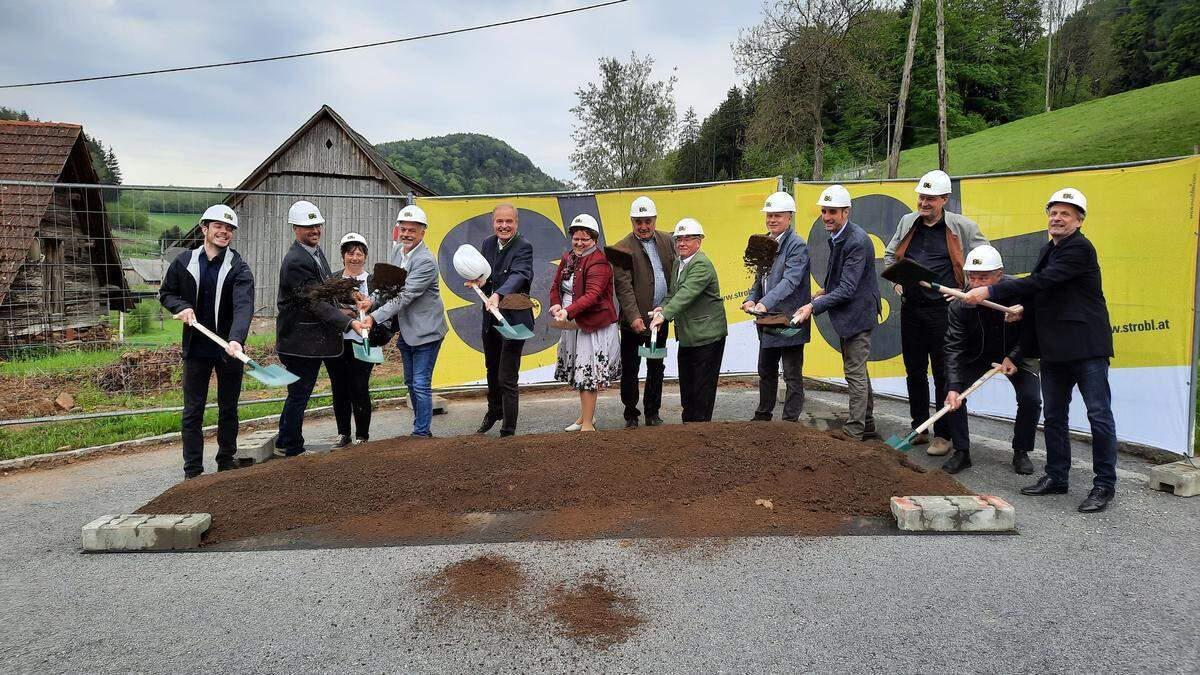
[461, 164]
[1158, 121]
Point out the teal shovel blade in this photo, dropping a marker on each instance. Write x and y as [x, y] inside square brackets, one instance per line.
[273, 375]
[365, 352]
[517, 332]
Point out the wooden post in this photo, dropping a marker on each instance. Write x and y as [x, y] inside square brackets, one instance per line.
[121, 327]
[905, 79]
[941, 87]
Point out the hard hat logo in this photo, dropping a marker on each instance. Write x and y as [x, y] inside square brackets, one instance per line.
[1068, 195]
[312, 216]
[927, 184]
[976, 261]
[828, 198]
[642, 209]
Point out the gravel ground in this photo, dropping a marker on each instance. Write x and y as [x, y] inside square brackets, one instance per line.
[1070, 593]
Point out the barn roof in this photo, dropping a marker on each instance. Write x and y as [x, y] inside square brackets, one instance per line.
[151, 270]
[47, 152]
[400, 182]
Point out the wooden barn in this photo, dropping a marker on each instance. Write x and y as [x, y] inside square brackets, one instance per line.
[323, 157]
[60, 270]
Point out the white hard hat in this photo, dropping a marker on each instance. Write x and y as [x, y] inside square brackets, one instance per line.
[221, 214]
[983, 259]
[586, 222]
[353, 238]
[935, 183]
[834, 195]
[1069, 196]
[305, 214]
[779, 202]
[470, 263]
[688, 226]
[412, 214]
[642, 207]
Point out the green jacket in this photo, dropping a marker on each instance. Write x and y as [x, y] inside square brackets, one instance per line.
[694, 303]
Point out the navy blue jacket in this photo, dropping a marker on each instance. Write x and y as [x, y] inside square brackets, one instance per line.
[851, 290]
[512, 272]
[234, 302]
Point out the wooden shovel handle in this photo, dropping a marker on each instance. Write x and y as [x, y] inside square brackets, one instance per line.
[960, 295]
[241, 356]
[962, 397]
[495, 312]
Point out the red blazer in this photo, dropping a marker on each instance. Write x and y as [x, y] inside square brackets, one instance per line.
[592, 305]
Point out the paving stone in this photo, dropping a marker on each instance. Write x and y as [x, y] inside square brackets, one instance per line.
[256, 446]
[440, 405]
[141, 532]
[954, 513]
[1179, 478]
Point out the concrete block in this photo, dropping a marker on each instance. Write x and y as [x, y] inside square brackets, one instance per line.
[1179, 478]
[256, 446]
[821, 423]
[955, 513]
[440, 404]
[140, 532]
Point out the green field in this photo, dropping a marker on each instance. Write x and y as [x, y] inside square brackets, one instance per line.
[1158, 121]
[144, 243]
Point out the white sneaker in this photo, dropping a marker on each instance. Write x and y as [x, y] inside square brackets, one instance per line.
[575, 426]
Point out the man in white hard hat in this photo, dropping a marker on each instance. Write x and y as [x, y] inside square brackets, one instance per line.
[417, 313]
[641, 262]
[781, 290]
[938, 239]
[977, 337]
[694, 304]
[307, 331]
[850, 294]
[213, 286]
[1068, 327]
[511, 258]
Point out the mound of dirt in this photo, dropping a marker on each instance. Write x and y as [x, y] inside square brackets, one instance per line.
[489, 581]
[592, 613]
[682, 481]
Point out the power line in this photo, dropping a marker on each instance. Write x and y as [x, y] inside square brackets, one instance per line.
[318, 52]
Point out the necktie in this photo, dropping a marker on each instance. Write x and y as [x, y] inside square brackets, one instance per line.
[323, 263]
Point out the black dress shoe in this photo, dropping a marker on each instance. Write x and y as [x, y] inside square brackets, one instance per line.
[486, 425]
[227, 466]
[653, 421]
[1022, 463]
[631, 424]
[192, 476]
[761, 417]
[1097, 500]
[961, 459]
[505, 432]
[1045, 486]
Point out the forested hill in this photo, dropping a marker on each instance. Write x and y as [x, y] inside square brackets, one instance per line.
[462, 164]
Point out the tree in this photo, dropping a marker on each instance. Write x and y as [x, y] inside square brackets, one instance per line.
[624, 125]
[715, 151]
[113, 167]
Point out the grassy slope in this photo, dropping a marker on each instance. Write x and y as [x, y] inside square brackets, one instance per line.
[1158, 121]
[144, 244]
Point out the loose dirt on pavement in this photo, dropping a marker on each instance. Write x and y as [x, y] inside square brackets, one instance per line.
[678, 481]
[488, 581]
[593, 613]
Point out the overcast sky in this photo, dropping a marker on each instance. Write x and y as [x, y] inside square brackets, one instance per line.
[516, 83]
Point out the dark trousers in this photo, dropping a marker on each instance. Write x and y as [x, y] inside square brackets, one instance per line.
[631, 363]
[922, 342]
[768, 381]
[291, 420]
[1091, 376]
[350, 382]
[699, 371]
[1028, 388]
[196, 375]
[503, 361]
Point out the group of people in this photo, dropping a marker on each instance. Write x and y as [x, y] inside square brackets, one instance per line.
[612, 302]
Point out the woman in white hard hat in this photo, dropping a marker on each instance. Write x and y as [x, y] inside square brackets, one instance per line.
[589, 359]
[350, 378]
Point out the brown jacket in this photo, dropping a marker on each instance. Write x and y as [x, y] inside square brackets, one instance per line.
[633, 275]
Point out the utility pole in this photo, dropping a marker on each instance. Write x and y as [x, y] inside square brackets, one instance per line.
[905, 79]
[941, 87]
[1049, 38]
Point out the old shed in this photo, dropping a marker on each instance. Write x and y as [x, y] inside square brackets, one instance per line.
[323, 157]
[60, 271]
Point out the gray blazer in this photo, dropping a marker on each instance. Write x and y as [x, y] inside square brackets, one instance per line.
[785, 288]
[419, 314]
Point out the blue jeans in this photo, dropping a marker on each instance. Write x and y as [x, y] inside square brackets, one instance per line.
[418, 377]
[1091, 376]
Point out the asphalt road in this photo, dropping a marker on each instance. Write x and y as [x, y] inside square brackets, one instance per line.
[1070, 593]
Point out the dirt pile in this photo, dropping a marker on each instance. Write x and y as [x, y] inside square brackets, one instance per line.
[141, 370]
[592, 613]
[488, 581]
[683, 481]
[760, 253]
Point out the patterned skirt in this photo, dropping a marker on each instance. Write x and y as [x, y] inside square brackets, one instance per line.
[589, 361]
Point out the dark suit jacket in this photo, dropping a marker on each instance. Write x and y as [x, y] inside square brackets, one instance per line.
[1066, 317]
[512, 272]
[851, 290]
[302, 327]
[234, 305]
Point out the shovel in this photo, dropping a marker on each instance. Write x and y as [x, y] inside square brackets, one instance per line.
[652, 351]
[905, 444]
[364, 351]
[771, 322]
[273, 376]
[909, 272]
[518, 332]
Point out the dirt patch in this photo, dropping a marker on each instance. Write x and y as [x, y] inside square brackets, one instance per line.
[488, 581]
[760, 253]
[593, 613]
[679, 481]
[141, 370]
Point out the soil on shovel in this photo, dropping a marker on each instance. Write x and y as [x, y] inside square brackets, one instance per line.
[337, 291]
[717, 479]
[760, 253]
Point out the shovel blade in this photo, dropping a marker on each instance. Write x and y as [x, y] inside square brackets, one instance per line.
[517, 332]
[901, 443]
[369, 354]
[273, 375]
[784, 332]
